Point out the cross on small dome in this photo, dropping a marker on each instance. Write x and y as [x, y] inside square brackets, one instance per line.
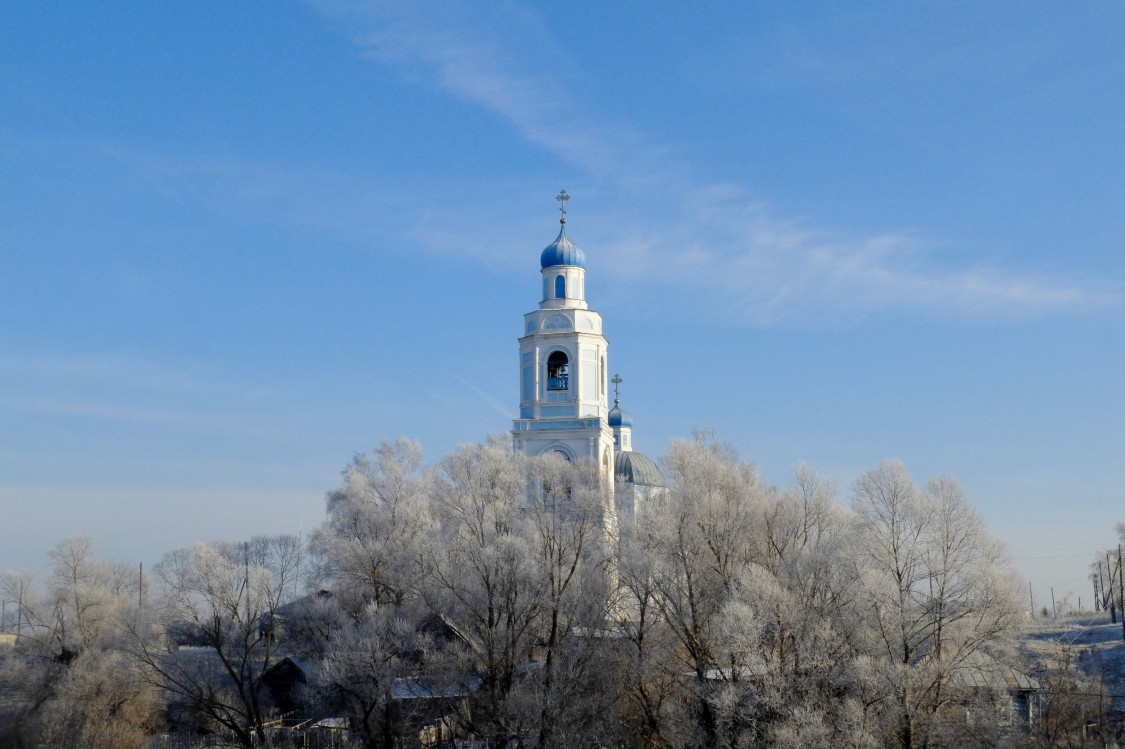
[562, 251]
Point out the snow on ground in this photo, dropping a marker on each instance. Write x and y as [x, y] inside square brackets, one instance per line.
[1091, 641]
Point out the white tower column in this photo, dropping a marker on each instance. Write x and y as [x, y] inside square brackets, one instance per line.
[564, 401]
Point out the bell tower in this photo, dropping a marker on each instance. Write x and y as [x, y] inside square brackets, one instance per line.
[564, 401]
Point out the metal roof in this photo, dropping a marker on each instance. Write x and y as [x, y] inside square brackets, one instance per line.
[619, 417]
[979, 671]
[562, 252]
[638, 469]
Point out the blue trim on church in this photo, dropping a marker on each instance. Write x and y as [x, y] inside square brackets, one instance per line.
[542, 425]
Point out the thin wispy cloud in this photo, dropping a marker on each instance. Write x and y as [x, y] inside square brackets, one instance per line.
[768, 270]
[501, 407]
[456, 53]
[138, 414]
[707, 237]
[722, 247]
[137, 391]
[130, 372]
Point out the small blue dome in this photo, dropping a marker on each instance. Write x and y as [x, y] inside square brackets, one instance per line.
[619, 418]
[562, 252]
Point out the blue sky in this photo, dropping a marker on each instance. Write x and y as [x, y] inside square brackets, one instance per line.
[239, 244]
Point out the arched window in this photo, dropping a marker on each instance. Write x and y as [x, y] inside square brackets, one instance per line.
[558, 371]
[560, 287]
[556, 486]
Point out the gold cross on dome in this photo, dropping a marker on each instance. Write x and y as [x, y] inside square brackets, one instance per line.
[562, 197]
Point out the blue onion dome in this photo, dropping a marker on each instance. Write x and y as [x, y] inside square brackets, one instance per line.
[619, 417]
[637, 469]
[562, 252]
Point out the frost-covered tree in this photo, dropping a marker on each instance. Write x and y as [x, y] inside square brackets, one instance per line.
[647, 668]
[781, 644]
[572, 544]
[704, 536]
[730, 614]
[481, 583]
[937, 593]
[364, 659]
[69, 681]
[101, 701]
[368, 550]
[217, 610]
[517, 568]
[79, 605]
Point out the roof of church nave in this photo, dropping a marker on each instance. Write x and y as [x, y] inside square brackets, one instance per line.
[637, 469]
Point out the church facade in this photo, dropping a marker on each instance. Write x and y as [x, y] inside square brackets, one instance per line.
[564, 385]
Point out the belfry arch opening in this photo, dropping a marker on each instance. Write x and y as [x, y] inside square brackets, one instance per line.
[560, 287]
[558, 371]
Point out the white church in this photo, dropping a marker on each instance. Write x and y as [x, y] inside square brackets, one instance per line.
[564, 386]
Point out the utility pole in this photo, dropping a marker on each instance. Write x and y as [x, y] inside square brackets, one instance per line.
[246, 577]
[1112, 596]
[141, 586]
[1107, 594]
[19, 612]
[1101, 585]
[1031, 597]
[1054, 611]
[1121, 584]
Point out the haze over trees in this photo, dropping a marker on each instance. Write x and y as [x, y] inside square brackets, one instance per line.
[495, 596]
